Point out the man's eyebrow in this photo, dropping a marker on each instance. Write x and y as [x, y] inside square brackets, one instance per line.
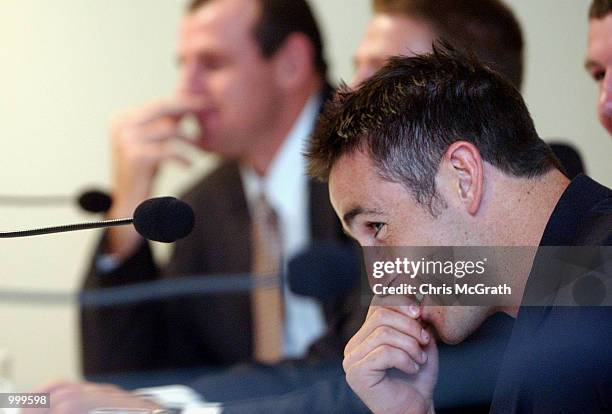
[590, 64]
[350, 215]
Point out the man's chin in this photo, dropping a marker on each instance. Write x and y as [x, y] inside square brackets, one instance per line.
[215, 146]
[451, 338]
[606, 123]
[448, 328]
[442, 335]
[434, 326]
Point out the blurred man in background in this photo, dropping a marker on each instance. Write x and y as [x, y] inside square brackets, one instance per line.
[407, 27]
[488, 28]
[599, 57]
[253, 75]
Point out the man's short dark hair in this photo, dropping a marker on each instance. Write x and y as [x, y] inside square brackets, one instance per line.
[407, 115]
[600, 9]
[277, 20]
[487, 27]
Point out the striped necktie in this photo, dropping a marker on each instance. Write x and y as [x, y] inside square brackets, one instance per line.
[266, 301]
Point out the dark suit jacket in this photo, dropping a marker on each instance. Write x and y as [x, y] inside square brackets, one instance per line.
[559, 358]
[202, 330]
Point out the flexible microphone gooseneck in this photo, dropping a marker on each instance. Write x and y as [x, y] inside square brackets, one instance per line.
[65, 228]
[163, 219]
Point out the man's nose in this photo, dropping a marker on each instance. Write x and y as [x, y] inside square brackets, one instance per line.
[361, 74]
[605, 97]
[192, 79]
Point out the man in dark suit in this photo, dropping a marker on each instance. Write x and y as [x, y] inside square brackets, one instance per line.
[446, 154]
[253, 75]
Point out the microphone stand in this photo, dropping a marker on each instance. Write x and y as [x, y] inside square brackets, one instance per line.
[66, 227]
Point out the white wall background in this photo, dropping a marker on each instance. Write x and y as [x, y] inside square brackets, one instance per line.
[66, 66]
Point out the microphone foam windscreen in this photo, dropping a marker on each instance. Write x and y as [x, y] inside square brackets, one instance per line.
[325, 271]
[163, 219]
[95, 201]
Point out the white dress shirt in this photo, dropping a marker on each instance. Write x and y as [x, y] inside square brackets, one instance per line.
[285, 187]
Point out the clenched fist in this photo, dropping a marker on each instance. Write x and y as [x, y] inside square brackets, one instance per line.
[392, 361]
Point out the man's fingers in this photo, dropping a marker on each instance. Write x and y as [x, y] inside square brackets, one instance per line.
[53, 386]
[372, 367]
[384, 335]
[180, 159]
[392, 319]
[78, 398]
[165, 152]
[402, 303]
[165, 135]
[156, 133]
[174, 108]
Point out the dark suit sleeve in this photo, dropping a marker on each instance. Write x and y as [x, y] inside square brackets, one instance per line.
[118, 338]
[186, 331]
[344, 318]
[145, 336]
[329, 396]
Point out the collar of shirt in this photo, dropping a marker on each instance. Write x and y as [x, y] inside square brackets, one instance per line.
[286, 189]
[286, 185]
[578, 199]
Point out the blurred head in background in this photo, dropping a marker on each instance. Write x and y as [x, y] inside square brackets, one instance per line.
[245, 59]
[599, 57]
[486, 27]
[408, 27]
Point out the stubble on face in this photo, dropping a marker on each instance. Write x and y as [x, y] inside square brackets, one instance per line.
[356, 186]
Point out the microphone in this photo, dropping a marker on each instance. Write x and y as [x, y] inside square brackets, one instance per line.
[92, 200]
[163, 219]
[95, 201]
[325, 271]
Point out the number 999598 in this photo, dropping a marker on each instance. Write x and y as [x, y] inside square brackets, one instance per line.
[24, 400]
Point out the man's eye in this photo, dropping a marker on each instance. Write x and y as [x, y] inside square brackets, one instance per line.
[215, 65]
[376, 227]
[598, 75]
[212, 62]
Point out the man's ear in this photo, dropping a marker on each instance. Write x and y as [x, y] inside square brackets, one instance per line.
[294, 61]
[467, 171]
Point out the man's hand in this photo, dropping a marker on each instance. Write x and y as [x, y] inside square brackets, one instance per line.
[80, 398]
[141, 141]
[392, 361]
